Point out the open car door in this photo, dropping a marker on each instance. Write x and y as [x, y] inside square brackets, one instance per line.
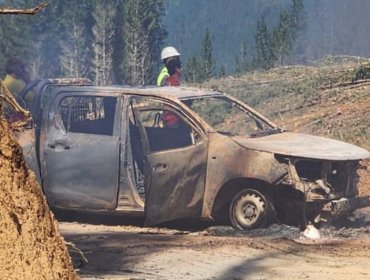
[175, 162]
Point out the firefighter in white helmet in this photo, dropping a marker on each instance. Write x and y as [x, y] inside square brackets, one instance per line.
[170, 73]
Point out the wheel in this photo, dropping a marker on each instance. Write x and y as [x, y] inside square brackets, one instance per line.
[250, 209]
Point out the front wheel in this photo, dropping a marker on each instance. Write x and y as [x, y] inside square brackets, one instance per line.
[249, 209]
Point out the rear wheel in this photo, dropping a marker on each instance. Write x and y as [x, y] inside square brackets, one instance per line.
[250, 209]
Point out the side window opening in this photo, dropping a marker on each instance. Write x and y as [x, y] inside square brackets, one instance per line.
[88, 114]
[165, 129]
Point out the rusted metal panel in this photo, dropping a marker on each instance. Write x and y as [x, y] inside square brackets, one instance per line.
[304, 145]
[228, 160]
[343, 205]
[84, 175]
[176, 183]
[174, 92]
[80, 170]
[26, 139]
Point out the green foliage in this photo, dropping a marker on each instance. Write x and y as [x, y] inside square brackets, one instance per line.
[282, 38]
[118, 44]
[75, 37]
[16, 34]
[361, 73]
[193, 70]
[229, 22]
[297, 26]
[87, 38]
[202, 67]
[264, 51]
[242, 64]
[297, 18]
[143, 35]
[208, 63]
[274, 48]
[103, 32]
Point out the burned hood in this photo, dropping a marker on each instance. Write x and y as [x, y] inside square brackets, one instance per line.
[304, 145]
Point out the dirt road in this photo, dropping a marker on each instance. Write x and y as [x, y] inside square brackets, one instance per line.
[116, 251]
[279, 252]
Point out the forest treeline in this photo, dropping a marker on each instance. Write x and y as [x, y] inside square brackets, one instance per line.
[110, 42]
[119, 41]
[333, 27]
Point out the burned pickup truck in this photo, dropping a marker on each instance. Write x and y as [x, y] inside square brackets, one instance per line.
[171, 153]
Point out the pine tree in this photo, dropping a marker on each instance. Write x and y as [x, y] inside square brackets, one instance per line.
[103, 31]
[297, 25]
[242, 64]
[118, 44]
[75, 39]
[143, 39]
[193, 72]
[264, 53]
[46, 32]
[282, 38]
[208, 63]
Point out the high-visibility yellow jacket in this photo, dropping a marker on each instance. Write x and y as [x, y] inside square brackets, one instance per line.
[163, 75]
[15, 86]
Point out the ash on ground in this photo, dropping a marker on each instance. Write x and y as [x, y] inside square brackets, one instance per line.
[354, 227]
[274, 231]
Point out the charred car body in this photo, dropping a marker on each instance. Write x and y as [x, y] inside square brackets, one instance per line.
[172, 153]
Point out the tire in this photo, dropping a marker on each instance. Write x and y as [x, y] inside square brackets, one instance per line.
[250, 209]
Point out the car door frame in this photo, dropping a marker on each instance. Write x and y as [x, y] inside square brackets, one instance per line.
[184, 199]
[51, 125]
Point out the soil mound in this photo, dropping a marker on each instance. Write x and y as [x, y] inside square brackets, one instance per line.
[31, 246]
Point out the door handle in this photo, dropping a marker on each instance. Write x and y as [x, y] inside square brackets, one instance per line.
[59, 142]
[159, 167]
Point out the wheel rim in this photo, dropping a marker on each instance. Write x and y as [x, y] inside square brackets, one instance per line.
[248, 210]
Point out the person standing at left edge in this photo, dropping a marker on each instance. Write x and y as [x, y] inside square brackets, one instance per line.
[17, 77]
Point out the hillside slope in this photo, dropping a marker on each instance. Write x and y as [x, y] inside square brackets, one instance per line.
[323, 99]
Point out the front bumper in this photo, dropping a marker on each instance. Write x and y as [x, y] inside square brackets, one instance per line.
[343, 205]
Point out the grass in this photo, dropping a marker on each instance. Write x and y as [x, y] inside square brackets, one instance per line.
[308, 98]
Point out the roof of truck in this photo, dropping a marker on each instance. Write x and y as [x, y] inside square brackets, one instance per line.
[177, 92]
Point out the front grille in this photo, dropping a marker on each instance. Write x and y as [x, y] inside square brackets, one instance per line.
[339, 176]
[343, 177]
[309, 170]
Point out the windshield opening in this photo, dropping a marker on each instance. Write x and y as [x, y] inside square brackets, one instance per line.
[228, 117]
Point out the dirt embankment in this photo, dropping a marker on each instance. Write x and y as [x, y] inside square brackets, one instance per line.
[31, 246]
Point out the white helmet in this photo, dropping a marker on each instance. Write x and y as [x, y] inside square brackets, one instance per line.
[169, 52]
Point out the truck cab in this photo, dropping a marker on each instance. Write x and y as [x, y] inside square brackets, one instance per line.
[170, 153]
